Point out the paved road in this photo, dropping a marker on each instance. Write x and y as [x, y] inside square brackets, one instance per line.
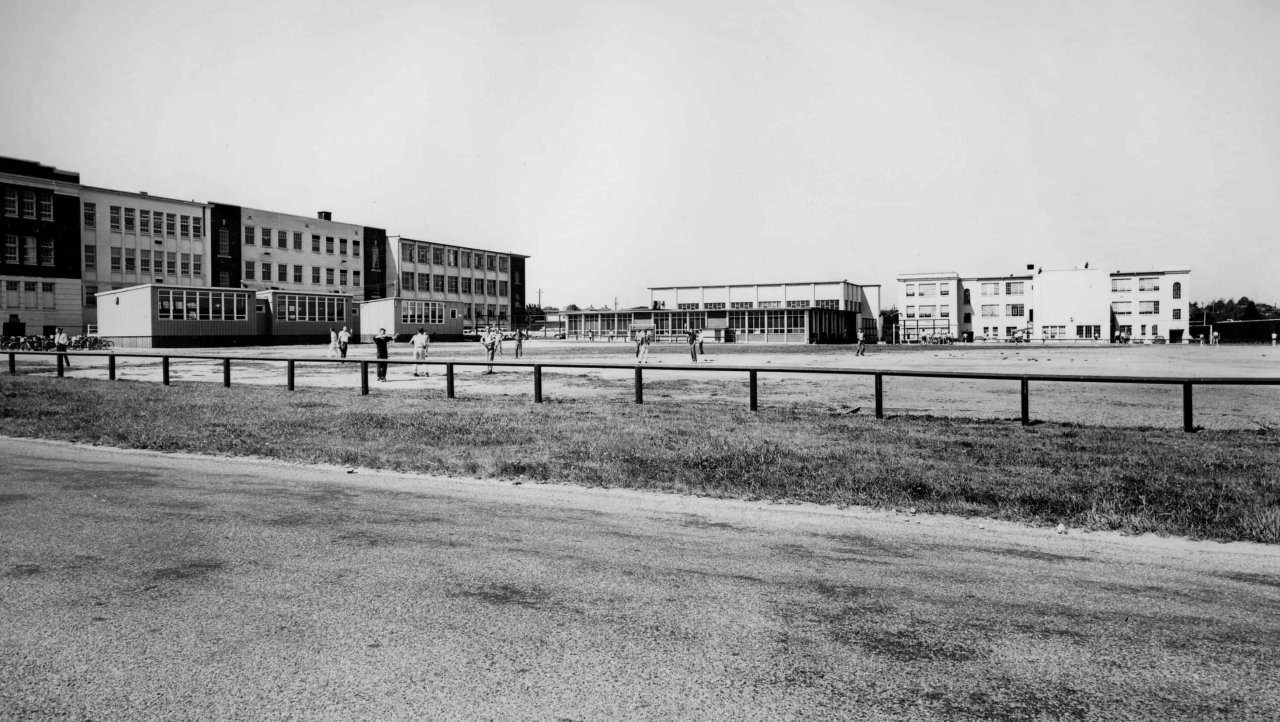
[142, 586]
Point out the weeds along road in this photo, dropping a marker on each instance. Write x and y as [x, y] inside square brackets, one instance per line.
[143, 586]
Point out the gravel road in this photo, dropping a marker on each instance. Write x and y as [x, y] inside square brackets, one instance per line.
[137, 585]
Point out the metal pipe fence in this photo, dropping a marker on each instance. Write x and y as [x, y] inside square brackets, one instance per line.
[752, 372]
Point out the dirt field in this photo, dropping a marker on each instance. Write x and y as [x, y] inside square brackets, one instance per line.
[668, 378]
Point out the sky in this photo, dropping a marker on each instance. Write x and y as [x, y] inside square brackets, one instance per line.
[628, 145]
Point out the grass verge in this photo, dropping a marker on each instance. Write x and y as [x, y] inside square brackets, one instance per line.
[1213, 485]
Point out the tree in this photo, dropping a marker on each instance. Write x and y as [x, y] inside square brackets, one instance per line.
[572, 307]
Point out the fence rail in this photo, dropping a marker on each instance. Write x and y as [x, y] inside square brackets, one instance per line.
[753, 374]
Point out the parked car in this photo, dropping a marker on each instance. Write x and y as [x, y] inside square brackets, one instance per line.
[1159, 339]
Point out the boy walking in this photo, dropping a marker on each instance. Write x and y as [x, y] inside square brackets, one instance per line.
[420, 343]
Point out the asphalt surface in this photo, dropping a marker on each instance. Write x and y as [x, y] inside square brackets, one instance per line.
[137, 585]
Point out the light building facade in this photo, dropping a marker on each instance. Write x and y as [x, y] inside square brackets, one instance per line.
[474, 286]
[40, 286]
[129, 239]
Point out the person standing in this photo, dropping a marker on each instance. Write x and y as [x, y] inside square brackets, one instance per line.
[333, 343]
[642, 347]
[693, 344]
[61, 341]
[862, 344]
[420, 343]
[344, 338]
[702, 335]
[490, 343]
[382, 340]
[519, 344]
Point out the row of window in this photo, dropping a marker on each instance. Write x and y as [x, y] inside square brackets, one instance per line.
[1145, 285]
[1125, 308]
[1012, 309]
[928, 311]
[28, 250]
[310, 308]
[146, 262]
[22, 294]
[436, 283]
[442, 256]
[145, 221]
[179, 305]
[929, 289]
[30, 202]
[252, 270]
[282, 239]
[423, 312]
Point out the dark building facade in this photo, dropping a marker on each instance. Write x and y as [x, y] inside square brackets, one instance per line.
[40, 282]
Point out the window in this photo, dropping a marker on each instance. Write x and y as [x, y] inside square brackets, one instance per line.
[966, 295]
[197, 226]
[130, 261]
[1177, 314]
[928, 311]
[266, 237]
[944, 289]
[824, 303]
[144, 262]
[355, 278]
[29, 204]
[1088, 331]
[488, 262]
[1155, 329]
[713, 306]
[1177, 290]
[424, 282]
[115, 218]
[466, 284]
[968, 317]
[224, 242]
[310, 308]
[466, 259]
[224, 278]
[502, 264]
[453, 257]
[944, 311]
[1053, 331]
[185, 266]
[282, 239]
[687, 306]
[355, 247]
[741, 304]
[342, 276]
[990, 310]
[1014, 309]
[130, 223]
[328, 276]
[315, 275]
[266, 271]
[184, 226]
[453, 282]
[249, 270]
[297, 270]
[421, 312]
[1148, 284]
[157, 223]
[328, 245]
[315, 244]
[1148, 307]
[797, 304]
[1121, 285]
[170, 224]
[249, 234]
[46, 206]
[282, 273]
[115, 260]
[1013, 288]
[437, 255]
[11, 202]
[144, 221]
[11, 248]
[502, 288]
[928, 289]
[342, 246]
[90, 295]
[770, 304]
[991, 289]
[491, 287]
[910, 311]
[90, 255]
[30, 255]
[297, 240]
[183, 305]
[90, 215]
[172, 258]
[1122, 308]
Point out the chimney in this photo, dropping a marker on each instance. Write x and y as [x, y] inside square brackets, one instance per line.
[324, 215]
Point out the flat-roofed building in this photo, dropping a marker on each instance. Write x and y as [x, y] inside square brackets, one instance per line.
[152, 315]
[402, 316]
[302, 317]
[135, 238]
[40, 282]
[808, 312]
[486, 287]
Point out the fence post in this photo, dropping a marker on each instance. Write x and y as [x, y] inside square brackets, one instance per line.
[1026, 402]
[755, 396]
[13, 364]
[60, 366]
[291, 374]
[448, 380]
[111, 367]
[364, 378]
[537, 383]
[639, 386]
[164, 370]
[226, 373]
[879, 396]
[1188, 425]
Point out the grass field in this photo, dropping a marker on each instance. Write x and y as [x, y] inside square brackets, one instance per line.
[810, 442]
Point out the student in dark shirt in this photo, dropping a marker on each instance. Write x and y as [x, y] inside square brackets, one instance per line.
[381, 341]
